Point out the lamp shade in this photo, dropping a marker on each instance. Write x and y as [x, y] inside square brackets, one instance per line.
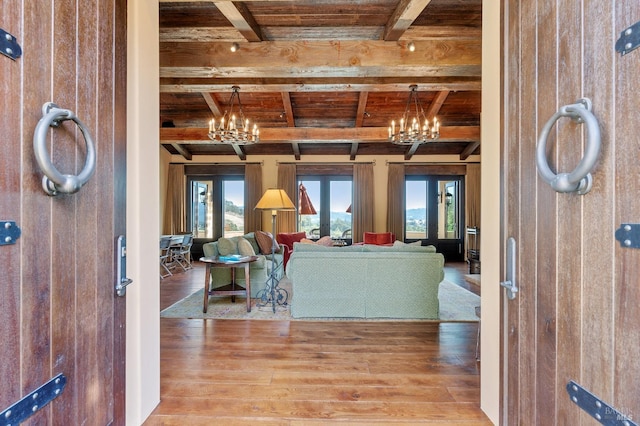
[304, 202]
[275, 199]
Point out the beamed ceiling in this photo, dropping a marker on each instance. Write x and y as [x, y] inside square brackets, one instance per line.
[320, 77]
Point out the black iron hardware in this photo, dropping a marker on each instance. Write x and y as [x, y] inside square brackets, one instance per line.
[9, 232]
[9, 45]
[33, 402]
[629, 39]
[629, 235]
[598, 409]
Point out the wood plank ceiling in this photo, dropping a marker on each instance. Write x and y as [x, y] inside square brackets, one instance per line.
[320, 77]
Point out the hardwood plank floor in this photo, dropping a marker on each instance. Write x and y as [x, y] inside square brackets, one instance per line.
[235, 372]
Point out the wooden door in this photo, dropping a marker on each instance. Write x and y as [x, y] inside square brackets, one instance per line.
[58, 309]
[576, 315]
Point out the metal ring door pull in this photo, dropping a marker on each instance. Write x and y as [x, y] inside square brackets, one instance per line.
[54, 182]
[579, 180]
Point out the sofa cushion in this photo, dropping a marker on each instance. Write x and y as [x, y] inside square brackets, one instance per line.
[398, 248]
[251, 237]
[317, 247]
[245, 248]
[227, 246]
[398, 243]
[265, 241]
[325, 241]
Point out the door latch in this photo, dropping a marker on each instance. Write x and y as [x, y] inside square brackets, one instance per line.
[510, 282]
[121, 265]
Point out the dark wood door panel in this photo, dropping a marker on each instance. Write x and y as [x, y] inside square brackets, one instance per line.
[572, 319]
[59, 313]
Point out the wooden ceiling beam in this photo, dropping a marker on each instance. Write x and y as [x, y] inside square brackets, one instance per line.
[362, 108]
[354, 151]
[241, 19]
[361, 111]
[295, 146]
[182, 151]
[412, 150]
[321, 59]
[437, 103]
[469, 150]
[288, 109]
[214, 106]
[239, 152]
[212, 34]
[450, 84]
[402, 18]
[303, 135]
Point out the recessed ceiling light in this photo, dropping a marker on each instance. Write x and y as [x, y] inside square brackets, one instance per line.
[235, 47]
[411, 46]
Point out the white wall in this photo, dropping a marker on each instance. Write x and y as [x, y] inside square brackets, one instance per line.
[490, 210]
[143, 296]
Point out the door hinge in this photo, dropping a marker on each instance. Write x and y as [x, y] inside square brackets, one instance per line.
[9, 232]
[596, 408]
[33, 402]
[629, 235]
[9, 45]
[629, 39]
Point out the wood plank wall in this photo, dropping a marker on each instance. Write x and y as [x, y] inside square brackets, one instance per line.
[574, 317]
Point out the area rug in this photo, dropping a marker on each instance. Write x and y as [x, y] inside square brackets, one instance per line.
[456, 305]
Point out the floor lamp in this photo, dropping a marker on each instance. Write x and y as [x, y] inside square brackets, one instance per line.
[274, 199]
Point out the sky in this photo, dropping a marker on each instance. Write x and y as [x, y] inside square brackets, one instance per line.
[340, 194]
[416, 194]
[234, 191]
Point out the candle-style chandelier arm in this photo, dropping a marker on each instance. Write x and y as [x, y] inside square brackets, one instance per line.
[418, 130]
[228, 130]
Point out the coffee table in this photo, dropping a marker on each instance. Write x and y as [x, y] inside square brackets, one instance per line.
[232, 289]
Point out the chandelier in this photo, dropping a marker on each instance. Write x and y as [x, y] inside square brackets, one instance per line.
[418, 130]
[232, 128]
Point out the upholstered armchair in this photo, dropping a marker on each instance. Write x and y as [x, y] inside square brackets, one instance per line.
[259, 270]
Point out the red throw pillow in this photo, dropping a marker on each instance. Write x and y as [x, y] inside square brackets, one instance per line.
[378, 238]
[288, 238]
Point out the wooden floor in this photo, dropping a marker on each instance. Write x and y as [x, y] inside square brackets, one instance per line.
[236, 372]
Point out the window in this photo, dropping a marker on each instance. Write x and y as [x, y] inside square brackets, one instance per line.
[416, 210]
[434, 212]
[216, 206]
[331, 197]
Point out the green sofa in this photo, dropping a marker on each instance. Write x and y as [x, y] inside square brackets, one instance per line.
[365, 281]
[259, 269]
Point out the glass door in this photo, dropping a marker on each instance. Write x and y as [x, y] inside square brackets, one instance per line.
[434, 213]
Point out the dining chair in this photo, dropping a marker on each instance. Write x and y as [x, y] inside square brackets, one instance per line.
[165, 256]
[182, 253]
